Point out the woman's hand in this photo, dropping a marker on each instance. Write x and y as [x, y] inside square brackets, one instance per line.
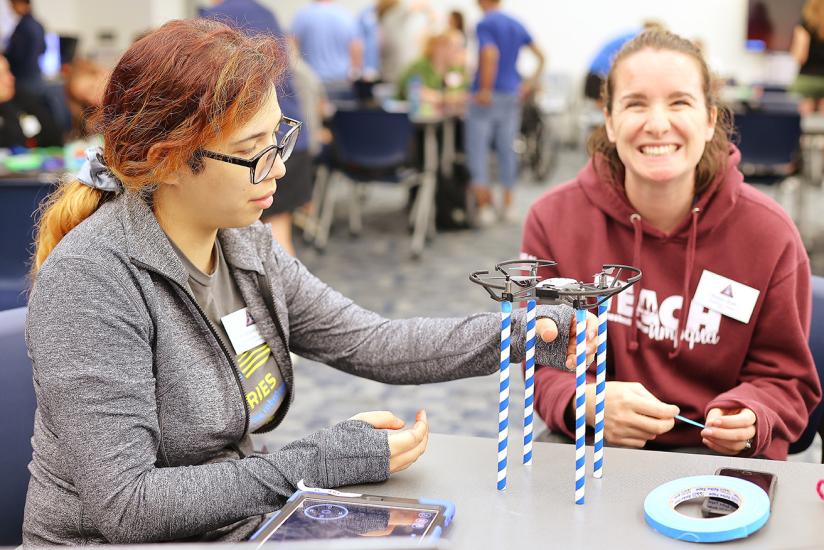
[729, 431]
[405, 447]
[548, 331]
[634, 416]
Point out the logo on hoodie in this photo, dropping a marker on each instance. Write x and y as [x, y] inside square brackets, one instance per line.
[658, 319]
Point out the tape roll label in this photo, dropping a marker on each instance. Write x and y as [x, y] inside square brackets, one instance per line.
[702, 492]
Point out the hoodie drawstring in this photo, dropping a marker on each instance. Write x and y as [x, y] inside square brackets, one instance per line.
[638, 238]
[685, 309]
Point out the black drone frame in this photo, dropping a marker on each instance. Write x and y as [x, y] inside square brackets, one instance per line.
[578, 294]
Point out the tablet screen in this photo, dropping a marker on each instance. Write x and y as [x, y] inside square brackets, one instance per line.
[319, 518]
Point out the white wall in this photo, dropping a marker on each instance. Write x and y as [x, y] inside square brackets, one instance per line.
[85, 18]
[569, 31]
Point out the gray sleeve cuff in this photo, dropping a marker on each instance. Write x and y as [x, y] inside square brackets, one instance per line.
[552, 354]
[353, 452]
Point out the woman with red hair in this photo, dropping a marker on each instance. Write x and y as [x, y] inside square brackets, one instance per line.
[162, 315]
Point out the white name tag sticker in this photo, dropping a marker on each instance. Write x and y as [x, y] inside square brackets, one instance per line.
[727, 297]
[242, 331]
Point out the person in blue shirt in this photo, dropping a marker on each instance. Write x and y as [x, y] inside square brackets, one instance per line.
[294, 189]
[599, 68]
[494, 115]
[327, 37]
[369, 34]
[26, 44]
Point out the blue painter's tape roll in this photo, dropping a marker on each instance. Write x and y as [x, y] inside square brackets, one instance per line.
[753, 509]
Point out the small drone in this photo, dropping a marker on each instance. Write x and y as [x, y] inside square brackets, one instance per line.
[578, 294]
[518, 281]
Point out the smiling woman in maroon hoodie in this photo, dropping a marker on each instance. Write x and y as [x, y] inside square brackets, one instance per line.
[662, 192]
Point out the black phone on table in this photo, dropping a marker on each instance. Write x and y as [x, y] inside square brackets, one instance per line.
[714, 507]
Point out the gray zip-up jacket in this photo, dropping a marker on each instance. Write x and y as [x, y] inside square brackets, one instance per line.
[141, 430]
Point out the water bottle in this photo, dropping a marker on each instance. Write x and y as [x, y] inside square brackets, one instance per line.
[413, 94]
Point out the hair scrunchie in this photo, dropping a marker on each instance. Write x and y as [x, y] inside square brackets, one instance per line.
[96, 174]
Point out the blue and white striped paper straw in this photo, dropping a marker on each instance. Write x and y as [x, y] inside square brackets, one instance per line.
[580, 403]
[503, 394]
[529, 381]
[600, 390]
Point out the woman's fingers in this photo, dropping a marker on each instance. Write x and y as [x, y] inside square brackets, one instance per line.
[724, 447]
[655, 409]
[721, 435]
[729, 430]
[404, 460]
[404, 447]
[650, 425]
[592, 336]
[407, 446]
[630, 432]
[635, 443]
[546, 329]
[742, 419]
[635, 415]
[640, 389]
[591, 341]
[381, 420]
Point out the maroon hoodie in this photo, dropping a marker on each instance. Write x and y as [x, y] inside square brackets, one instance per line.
[712, 360]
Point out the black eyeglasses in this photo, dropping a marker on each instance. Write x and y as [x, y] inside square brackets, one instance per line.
[258, 171]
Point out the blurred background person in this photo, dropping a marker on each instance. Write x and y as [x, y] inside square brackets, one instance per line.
[326, 36]
[26, 44]
[458, 36]
[404, 26]
[455, 21]
[369, 34]
[808, 50]
[457, 76]
[25, 121]
[438, 79]
[760, 25]
[494, 114]
[85, 82]
[601, 63]
[435, 85]
[315, 104]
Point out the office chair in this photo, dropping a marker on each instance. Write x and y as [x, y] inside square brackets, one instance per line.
[769, 144]
[19, 200]
[816, 422]
[371, 146]
[16, 424]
